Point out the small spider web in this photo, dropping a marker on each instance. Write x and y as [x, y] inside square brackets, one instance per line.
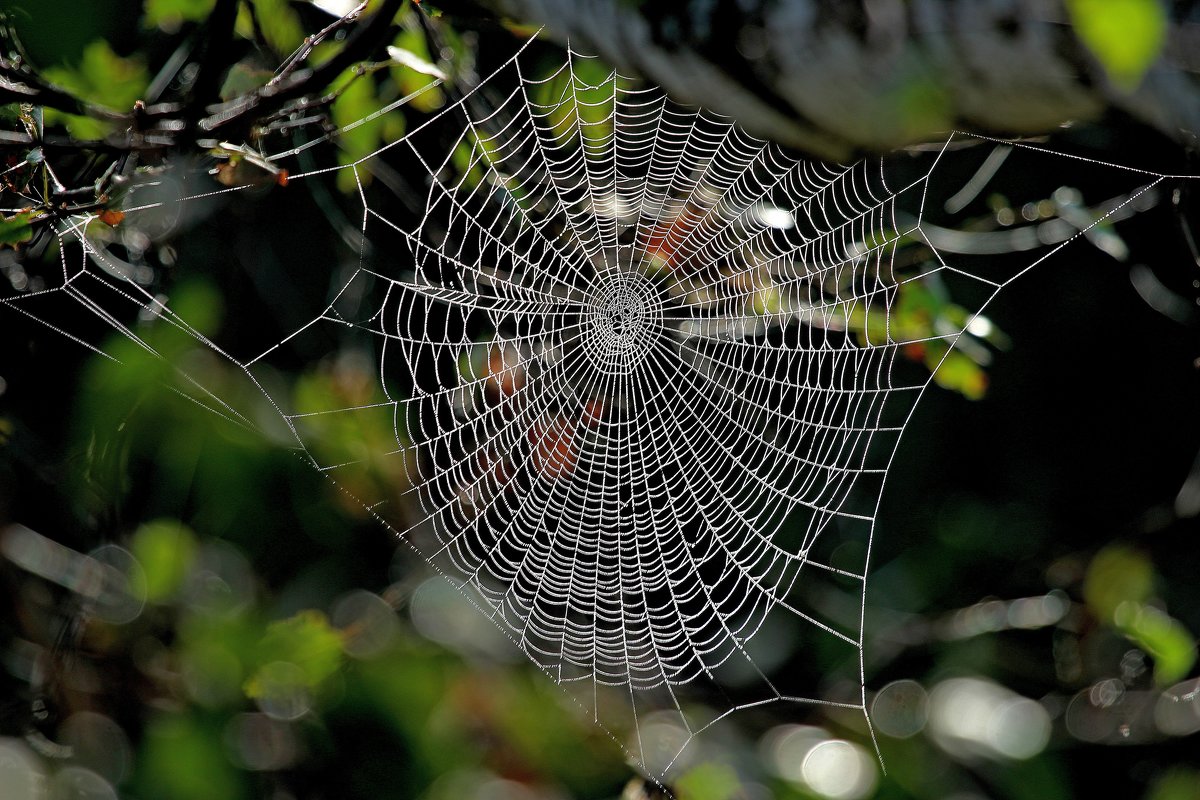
[642, 376]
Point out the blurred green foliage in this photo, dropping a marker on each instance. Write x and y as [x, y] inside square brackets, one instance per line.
[170, 14]
[1120, 589]
[103, 78]
[1127, 36]
[165, 549]
[18, 228]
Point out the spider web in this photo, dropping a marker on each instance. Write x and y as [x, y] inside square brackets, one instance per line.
[642, 376]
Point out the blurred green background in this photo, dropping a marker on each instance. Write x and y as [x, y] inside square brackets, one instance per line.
[1031, 611]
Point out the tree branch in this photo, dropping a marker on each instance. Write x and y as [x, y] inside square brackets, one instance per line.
[237, 116]
[18, 85]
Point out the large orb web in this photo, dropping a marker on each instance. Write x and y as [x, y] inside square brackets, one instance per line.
[642, 419]
[640, 376]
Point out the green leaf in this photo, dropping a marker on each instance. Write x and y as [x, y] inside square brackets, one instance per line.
[306, 640]
[1177, 783]
[359, 136]
[18, 228]
[579, 102]
[414, 70]
[280, 25]
[1166, 640]
[183, 759]
[170, 14]
[921, 104]
[1126, 36]
[959, 373]
[710, 781]
[166, 549]
[102, 78]
[1117, 575]
[766, 301]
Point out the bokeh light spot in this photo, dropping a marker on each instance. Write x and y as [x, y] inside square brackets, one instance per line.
[20, 775]
[77, 783]
[839, 770]
[977, 717]
[900, 709]
[367, 622]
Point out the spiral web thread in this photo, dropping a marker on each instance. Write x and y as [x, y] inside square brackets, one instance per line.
[640, 373]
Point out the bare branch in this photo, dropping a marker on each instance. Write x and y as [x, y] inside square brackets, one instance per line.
[236, 117]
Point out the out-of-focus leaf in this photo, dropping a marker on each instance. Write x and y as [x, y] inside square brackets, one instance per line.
[306, 640]
[415, 69]
[166, 549]
[467, 163]
[1178, 783]
[17, 229]
[244, 77]
[922, 104]
[216, 649]
[1036, 778]
[1170, 644]
[709, 781]
[181, 759]
[766, 301]
[1117, 575]
[577, 101]
[103, 78]
[1117, 587]
[358, 139]
[170, 14]
[362, 437]
[959, 373]
[279, 25]
[1125, 35]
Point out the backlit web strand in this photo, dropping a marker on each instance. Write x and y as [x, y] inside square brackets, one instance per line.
[641, 404]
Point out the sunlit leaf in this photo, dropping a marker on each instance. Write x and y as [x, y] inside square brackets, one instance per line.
[579, 102]
[103, 78]
[170, 14]
[358, 138]
[306, 640]
[18, 228]
[1166, 640]
[1125, 35]
[279, 24]
[415, 69]
[182, 759]
[710, 781]
[1117, 575]
[959, 373]
[166, 549]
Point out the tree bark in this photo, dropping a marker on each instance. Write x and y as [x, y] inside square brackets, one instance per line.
[834, 77]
